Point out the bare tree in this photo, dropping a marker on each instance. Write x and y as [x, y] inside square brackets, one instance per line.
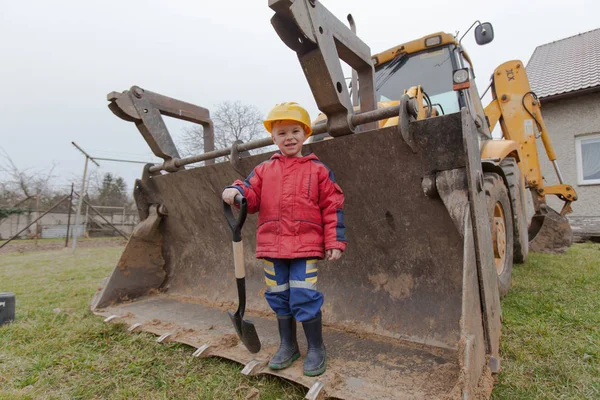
[17, 184]
[25, 187]
[192, 141]
[233, 121]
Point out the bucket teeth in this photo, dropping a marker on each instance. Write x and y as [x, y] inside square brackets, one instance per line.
[253, 367]
[134, 327]
[163, 338]
[111, 318]
[202, 351]
[316, 391]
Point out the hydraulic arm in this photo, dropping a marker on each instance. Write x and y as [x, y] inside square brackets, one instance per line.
[517, 109]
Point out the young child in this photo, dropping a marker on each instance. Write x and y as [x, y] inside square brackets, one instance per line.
[301, 220]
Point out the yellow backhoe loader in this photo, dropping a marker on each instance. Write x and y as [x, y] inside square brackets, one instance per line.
[412, 310]
[514, 160]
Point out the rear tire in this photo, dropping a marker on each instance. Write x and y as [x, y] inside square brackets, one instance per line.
[518, 199]
[501, 223]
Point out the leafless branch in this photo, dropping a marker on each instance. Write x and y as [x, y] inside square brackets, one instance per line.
[233, 121]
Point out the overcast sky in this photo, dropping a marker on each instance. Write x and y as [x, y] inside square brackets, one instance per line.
[59, 59]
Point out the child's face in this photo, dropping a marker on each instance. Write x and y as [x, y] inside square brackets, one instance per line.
[289, 137]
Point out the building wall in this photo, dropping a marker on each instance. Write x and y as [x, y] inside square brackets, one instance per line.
[565, 120]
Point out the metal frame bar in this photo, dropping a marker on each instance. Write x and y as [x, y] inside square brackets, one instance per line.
[356, 119]
[320, 41]
[146, 108]
[118, 160]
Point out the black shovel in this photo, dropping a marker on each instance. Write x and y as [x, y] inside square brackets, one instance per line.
[244, 328]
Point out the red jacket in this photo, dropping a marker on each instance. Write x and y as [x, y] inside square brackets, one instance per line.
[300, 207]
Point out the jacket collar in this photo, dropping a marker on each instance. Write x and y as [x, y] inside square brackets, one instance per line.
[305, 158]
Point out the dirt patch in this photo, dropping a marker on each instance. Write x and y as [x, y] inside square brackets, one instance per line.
[337, 380]
[456, 393]
[253, 394]
[250, 393]
[229, 340]
[165, 325]
[26, 246]
[485, 385]
[397, 287]
[222, 305]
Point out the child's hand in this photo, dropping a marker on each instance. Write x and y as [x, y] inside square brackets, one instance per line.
[333, 254]
[229, 194]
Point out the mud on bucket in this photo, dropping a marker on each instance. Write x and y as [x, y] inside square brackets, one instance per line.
[7, 307]
[550, 233]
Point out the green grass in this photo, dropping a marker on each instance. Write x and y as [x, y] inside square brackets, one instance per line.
[57, 349]
[551, 328]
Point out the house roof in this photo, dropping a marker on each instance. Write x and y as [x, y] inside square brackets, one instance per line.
[566, 65]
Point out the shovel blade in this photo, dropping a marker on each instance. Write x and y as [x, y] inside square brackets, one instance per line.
[246, 331]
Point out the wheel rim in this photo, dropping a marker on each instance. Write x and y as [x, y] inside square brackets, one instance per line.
[499, 238]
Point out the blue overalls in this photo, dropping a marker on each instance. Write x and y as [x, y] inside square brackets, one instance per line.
[292, 287]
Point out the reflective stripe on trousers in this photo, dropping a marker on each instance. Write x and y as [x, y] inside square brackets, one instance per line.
[292, 287]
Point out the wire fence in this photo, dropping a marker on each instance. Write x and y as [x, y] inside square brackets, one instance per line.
[57, 224]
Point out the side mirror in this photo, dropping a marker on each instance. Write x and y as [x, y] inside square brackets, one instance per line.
[484, 33]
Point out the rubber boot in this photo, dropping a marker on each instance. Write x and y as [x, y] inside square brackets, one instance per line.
[288, 350]
[315, 362]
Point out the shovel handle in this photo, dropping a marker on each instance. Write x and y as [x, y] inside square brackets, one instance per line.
[236, 225]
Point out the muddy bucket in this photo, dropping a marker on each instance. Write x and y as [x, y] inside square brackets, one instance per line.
[403, 314]
[550, 233]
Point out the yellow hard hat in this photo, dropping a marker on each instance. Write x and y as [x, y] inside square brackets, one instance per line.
[288, 111]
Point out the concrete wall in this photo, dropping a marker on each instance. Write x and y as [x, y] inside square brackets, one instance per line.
[14, 223]
[60, 231]
[565, 120]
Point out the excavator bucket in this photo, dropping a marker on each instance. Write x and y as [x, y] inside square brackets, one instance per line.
[550, 232]
[412, 308]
